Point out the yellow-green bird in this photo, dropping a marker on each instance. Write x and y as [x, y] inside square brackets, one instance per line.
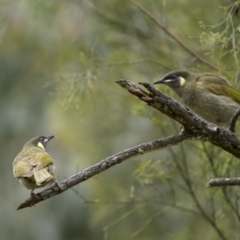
[207, 94]
[33, 166]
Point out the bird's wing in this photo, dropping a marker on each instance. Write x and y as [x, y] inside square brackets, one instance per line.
[218, 85]
[22, 168]
[40, 160]
[33, 165]
[233, 94]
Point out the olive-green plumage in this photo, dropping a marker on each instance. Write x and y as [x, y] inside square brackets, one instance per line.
[33, 166]
[208, 95]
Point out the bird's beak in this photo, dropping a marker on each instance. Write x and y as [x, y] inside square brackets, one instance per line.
[159, 81]
[164, 81]
[48, 138]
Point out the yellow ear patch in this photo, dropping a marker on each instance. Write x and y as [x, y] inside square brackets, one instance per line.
[41, 145]
[182, 81]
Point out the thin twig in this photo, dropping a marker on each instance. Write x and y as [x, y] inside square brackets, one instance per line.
[134, 202]
[149, 221]
[194, 54]
[113, 223]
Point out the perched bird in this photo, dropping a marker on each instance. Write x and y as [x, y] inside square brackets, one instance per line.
[207, 94]
[33, 166]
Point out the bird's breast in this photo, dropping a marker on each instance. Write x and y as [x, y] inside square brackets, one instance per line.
[214, 108]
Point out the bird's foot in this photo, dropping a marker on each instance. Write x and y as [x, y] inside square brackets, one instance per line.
[56, 184]
[32, 194]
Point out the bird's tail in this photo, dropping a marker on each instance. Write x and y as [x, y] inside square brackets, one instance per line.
[42, 176]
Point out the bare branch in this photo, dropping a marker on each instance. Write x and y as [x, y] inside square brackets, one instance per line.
[198, 127]
[216, 182]
[104, 165]
[194, 128]
[194, 54]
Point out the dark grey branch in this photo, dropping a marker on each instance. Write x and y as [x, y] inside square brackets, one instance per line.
[223, 182]
[104, 165]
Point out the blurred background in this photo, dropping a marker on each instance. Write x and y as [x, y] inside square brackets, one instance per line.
[59, 61]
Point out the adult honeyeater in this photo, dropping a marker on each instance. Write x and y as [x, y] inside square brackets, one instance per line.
[207, 94]
[33, 166]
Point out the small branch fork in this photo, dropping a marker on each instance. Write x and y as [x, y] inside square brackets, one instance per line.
[194, 127]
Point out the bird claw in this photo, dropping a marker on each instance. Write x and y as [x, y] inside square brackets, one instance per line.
[56, 184]
[32, 194]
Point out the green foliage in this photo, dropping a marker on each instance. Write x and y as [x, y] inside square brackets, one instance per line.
[149, 170]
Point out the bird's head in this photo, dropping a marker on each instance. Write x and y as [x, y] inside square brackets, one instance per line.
[175, 79]
[40, 141]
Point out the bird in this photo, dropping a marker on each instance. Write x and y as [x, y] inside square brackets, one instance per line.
[33, 166]
[208, 95]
